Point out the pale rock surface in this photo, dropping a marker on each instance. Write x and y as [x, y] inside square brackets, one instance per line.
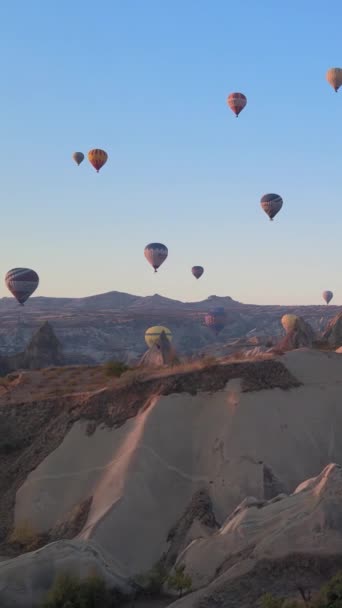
[25, 580]
[143, 475]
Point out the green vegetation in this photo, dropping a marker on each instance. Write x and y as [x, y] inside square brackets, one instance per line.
[71, 592]
[179, 581]
[25, 536]
[115, 368]
[153, 581]
[330, 596]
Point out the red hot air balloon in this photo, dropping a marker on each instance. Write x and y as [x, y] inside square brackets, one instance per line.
[156, 254]
[236, 102]
[197, 271]
[97, 158]
[21, 282]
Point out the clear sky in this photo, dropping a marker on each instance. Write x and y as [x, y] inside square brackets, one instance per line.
[147, 80]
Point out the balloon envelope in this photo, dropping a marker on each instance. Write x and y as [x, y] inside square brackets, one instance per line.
[328, 296]
[78, 157]
[97, 158]
[334, 77]
[289, 322]
[21, 282]
[236, 102]
[153, 334]
[156, 254]
[197, 271]
[216, 319]
[271, 204]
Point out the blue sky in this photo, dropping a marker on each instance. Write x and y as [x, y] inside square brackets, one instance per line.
[147, 80]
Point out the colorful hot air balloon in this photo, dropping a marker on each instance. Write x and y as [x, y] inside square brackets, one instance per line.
[236, 102]
[153, 334]
[197, 271]
[327, 296]
[156, 254]
[97, 158]
[22, 282]
[271, 204]
[289, 322]
[78, 157]
[216, 319]
[334, 77]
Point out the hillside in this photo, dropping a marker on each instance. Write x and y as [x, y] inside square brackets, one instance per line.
[125, 472]
[112, 325]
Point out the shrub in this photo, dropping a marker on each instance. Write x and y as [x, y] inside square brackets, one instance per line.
[70, 592]
[179, 581]
[115, 368]
[25, 536]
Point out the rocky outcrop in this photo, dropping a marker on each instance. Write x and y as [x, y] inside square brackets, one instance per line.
[44, 350]
[197, 520]
[160, 354]
[301, 336]
[333, 332]
[307, 522]
[25, 580]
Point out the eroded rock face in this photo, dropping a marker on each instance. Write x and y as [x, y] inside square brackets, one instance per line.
[160, 354]
[333, 332]
[302, 336]
[306, 522]
[44, 350]
[25, 580]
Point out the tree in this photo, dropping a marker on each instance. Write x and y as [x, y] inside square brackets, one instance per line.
[330, 595]
[180, 581]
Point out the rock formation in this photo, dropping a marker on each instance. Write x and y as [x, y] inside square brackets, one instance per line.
[333, 332]
[160, 354]
[202, 468]
[44, 350]
[301, 336]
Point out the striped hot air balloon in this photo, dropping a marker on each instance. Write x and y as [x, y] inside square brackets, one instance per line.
[153, 334]
[271, 204]
[21, 282]
[97, 158]
[156, 254]
[236, 102]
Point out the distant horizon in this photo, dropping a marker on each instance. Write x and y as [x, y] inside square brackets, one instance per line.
[94, 295]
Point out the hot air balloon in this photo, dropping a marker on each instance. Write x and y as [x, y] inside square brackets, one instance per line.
[156, 254]
[216, 319]
[97, 158]
[78, 157]
[153, 334]
[197, 271]
[236, 102]
[334, 77]
[289, 322]
[327, 296]
[271, 204]
[22, 282]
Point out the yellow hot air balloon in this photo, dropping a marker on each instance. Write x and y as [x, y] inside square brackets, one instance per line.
[289, 322]
[97, 158]
[153, 333]
[334, 77]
